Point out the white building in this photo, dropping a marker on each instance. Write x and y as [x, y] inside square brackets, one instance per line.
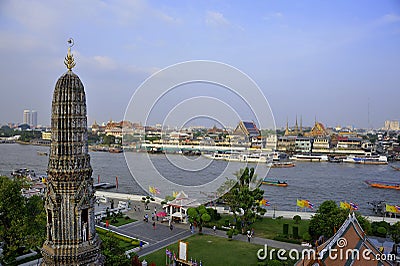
[391, 125]
[27, 117]
[34, 118]
[303, 144]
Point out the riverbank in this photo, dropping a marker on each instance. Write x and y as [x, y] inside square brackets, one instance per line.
[305, 215]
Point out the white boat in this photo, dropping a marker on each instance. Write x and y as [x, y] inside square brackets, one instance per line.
[378, 159]
[239, 157]
[309, 158]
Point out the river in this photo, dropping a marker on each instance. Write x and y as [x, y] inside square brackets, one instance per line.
[315, 182]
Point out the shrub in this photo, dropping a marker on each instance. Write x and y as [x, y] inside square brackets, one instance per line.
[297, 219]
[295, 232]
[306, 236]
[214, 214]
[381, 231]
[285, 229]
[226, 222]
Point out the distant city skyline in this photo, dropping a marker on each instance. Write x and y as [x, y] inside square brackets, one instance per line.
[336, 61]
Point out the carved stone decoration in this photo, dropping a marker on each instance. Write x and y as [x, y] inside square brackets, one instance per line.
[71, 236]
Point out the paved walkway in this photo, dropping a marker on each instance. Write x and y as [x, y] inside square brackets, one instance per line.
[162, 236]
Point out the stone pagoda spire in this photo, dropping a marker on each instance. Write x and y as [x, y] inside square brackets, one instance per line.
[69, 200]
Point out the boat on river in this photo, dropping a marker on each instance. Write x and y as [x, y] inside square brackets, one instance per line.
[383, 184]
[274, 182]
[282, 164]
[375, 160]
[310, 158]
[239, 157]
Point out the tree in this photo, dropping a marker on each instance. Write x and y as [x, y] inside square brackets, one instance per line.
[330, 217]
[113, 252]
[22, 220]
[11, 214]
[35, 221]
[108, 139]
[327, 220]
[244, 202]
[199, 216]
[395, 232]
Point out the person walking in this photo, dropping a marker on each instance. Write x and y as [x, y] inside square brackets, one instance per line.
[248, 235]
[215, 229]
[154, 225]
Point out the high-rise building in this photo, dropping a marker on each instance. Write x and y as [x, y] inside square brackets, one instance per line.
[391, 125]
[27, 117]
[69, 199]
[34, 118]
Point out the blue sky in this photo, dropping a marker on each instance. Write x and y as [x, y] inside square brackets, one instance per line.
[324, 59]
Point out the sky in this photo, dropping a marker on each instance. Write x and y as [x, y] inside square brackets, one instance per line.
[334, 61]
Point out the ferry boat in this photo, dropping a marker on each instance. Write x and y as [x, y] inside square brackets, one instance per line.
[273, 182]
[309, 158]
[383, 184]
[282, 164]
[239, 157]
[366, 159]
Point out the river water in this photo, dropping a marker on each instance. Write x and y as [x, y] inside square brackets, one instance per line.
[315, 182]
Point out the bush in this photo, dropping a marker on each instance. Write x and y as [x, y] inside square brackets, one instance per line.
[285, 229]
[226, 222]
[306, 236]
[295, 232]
[297, 219]
[381, 231]
[215, 216]
[231, 232]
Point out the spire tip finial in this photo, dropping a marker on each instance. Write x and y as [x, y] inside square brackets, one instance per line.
[69, 59]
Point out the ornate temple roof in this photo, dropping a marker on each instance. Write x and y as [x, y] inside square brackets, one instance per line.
[248, 128]
[338, 250]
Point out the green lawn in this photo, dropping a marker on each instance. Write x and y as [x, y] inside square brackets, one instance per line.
[266, 227]
[214, 250]
[120, 220]
[270, 228]
[124, 242]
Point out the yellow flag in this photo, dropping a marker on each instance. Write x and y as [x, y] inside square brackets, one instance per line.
[301, 203]
[391, 208]
[344, 205]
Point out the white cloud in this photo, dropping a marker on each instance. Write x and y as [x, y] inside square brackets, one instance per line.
[275, 15]
[105, 62]
[390, 18]
[214, 18]
[167, 18]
